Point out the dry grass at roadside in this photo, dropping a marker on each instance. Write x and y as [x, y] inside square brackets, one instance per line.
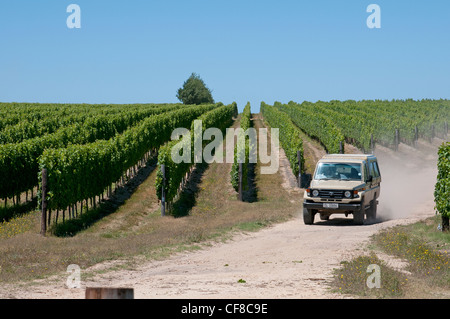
[426, 252]
[352, 278]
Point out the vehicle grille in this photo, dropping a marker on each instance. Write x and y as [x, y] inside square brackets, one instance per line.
[329, 193]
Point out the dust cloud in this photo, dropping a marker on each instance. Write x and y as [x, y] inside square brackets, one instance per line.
[408, 181]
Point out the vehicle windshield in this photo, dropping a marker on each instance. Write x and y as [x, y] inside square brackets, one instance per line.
[338, 171]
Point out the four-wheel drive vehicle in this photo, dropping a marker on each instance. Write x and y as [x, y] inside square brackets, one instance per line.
[343, 184]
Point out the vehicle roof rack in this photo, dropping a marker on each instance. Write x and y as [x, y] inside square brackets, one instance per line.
[355, 156]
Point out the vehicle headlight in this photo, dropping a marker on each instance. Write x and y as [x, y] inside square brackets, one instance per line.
[315, 193]
[348, 194]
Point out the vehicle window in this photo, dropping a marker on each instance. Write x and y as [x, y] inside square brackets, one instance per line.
[338, 171]
[375, 169]
[372, 170]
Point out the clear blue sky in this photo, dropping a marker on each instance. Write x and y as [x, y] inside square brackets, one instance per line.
[141, 51]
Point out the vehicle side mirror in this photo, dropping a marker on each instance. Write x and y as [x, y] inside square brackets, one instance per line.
[306, 180]
[369, 179]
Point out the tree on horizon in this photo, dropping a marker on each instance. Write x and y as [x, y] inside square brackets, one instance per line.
[194, 91]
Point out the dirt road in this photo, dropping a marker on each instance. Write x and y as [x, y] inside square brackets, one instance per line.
[288, 260]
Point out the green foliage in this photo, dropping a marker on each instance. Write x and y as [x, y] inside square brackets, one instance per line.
[19, 162]
[22, 121]
[358, 120]
[442, 188]
[315, 124]
[242, 151]
[194, 91]
[246, 116]
[78, 172]
[174, 171]
[289, 136]
[221, 118]
[235, 167]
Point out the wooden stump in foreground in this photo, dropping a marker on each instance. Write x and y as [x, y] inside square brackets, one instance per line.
[109, 293]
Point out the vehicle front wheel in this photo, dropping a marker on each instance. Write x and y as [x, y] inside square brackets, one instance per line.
[308, 216]
[358, 216]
